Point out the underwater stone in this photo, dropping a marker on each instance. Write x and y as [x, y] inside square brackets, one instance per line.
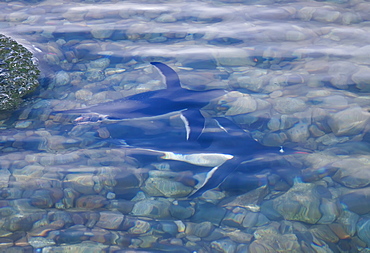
[42, 199]
[94, 75]
[233, 57]
[40, 242]
[123, 206]
[326, 14]
[348, 220]
[250, 199]
[103, 236]
[352, 173]
[102, 63]
[4, 178]
[274, 139]
[181, 211]
[205, 60]
[363, 229]
[126, 185]
[84, 94]
[315, 131]
[269, 239]
[18, 73]
[28, 173]
[20, 222]
[324, 232]
[91, 202]
[169, 227]
[69, 198]
[357, 201]
[195, 80]
[100, 33]
[361, 78]
[110, 220]
[340, 72]
[83, 183]
[300, 203]
[329, 210]
[62, 78]
[299, 133]
[140, 227]
[287, 121]
[152, 208]
[86, 246]
[166, 18]
[250, 219]
[224, 246]
[306, 13]
[274, 124]
[242, 104]
[295, 35]
[158, 186]
[254, 81]
[348, 122]
[202, 229]
[288, 105]
[23, 124]
[269, 212]
[208, 212]
[235, 103]
[235, 217]
[361, 55]
[239, 237]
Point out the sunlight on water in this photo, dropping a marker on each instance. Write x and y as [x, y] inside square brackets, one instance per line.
[263, 147]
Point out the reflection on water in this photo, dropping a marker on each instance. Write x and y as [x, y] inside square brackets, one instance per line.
[296, 76]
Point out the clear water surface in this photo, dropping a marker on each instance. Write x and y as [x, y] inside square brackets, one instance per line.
[296, 79]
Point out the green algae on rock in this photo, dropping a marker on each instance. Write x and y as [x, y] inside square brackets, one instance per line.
[18, 73]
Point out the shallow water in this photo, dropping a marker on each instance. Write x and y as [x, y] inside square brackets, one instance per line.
[296, 79]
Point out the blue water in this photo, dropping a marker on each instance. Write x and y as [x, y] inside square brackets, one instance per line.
[294, 88]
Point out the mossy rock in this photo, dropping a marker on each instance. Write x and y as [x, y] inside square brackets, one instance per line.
[18, 73]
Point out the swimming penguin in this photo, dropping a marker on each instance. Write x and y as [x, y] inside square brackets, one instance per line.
[232, 141]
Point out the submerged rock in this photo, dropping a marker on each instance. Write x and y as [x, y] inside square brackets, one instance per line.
[225, 245]
[27, 175]
[62, 78]
[86, 246]
[18, 73]
[158, 186]
[348, 122]
[287, 105]
[91, 202]
[300, 203]
[361, 78]
[352, 173]
[268, 239]
[299, 133]
[330, 211]
[234, 57]
[358, 200]
[202, 229]
[324, 232]
[81, 182]
[347, 221]
[181, 210]
[152, 208]
[110, 220]
[363, 229]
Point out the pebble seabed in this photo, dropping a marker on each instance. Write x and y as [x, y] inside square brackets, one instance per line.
[297, 75]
